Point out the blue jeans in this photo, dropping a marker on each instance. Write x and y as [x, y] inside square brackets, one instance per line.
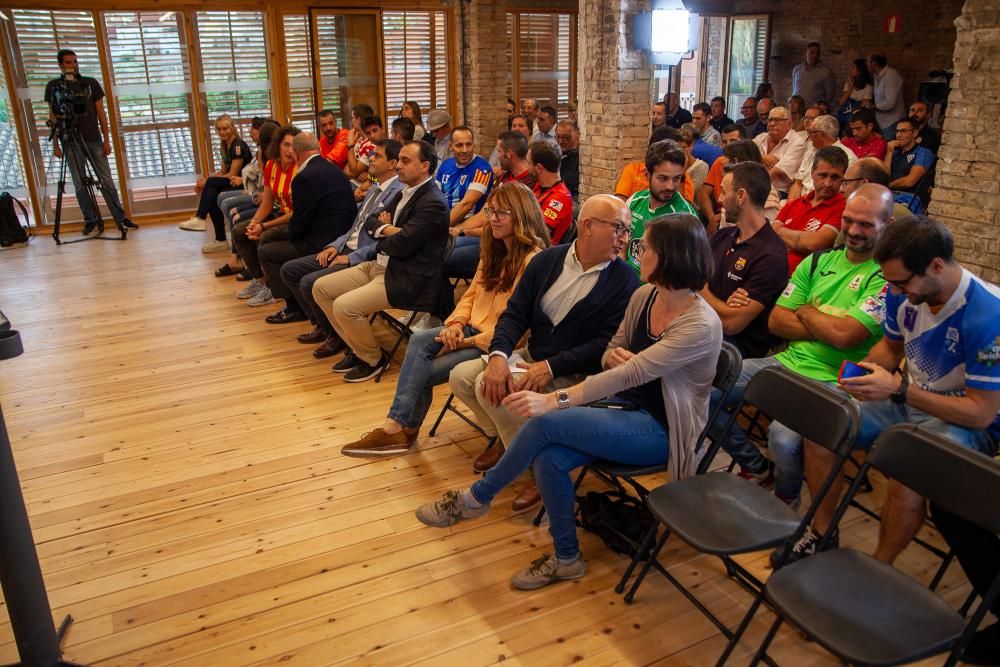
[737, 444]
[876, 416]
[75, 162]
[557, 443]
[464, 258]
[422, 370]
[230, 200]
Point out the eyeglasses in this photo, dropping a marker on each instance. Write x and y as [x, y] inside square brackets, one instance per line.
[901, 284]
[903, 130]
[748, 106]
[771, 119]
[491, 212]
[619, 228]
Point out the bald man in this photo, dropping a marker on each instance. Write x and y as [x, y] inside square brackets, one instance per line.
[323, 208]
[571, 298]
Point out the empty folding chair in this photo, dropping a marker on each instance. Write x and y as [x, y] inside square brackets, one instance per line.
[724, 515]
[867, 612]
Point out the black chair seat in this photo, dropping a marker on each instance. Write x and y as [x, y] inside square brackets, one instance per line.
[863, 610]
[722, 514]
[625, 470]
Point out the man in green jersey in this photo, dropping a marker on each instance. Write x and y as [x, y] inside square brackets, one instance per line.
[831, 310]
[665, 162]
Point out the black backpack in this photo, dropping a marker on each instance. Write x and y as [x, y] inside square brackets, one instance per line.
[620, 520]
[11, 230]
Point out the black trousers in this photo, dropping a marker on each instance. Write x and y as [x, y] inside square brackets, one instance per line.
[272, 256]
[299, 276]
[977, 550]
[209, 203]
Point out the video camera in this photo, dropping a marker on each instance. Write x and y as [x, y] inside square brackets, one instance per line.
[69, 99]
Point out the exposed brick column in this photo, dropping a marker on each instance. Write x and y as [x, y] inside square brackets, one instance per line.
[967, 192]
[615, 89]
[484, 62]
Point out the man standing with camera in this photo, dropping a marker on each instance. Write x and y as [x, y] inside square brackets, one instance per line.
[76, 107]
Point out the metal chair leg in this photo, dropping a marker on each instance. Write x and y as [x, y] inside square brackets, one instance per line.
[653, 555]
[404, 332]
[437, 422]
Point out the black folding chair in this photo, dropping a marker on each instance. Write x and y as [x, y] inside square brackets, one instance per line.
[723, 515]
[867, 612]
[401, 328]
[727, 371]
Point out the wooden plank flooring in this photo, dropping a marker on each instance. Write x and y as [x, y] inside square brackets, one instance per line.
[181, 464]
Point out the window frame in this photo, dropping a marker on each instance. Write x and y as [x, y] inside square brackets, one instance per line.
[515, 49]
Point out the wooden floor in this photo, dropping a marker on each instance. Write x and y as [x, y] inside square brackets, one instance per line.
[181, 464]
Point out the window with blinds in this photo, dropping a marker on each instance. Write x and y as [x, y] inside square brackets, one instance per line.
[416, 59]
[298, 60]
[12, 178]
[545, 57]
[235, 78]
[748, 44]
[331, 52]
[35, 36]
[152, 93]
[346, 60]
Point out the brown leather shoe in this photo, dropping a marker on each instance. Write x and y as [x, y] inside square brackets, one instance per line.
[330, 347]
[527, 497]
[379, 443]
[488, 458]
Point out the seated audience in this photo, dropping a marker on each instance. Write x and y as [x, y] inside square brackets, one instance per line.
[741, 150]
[634, 176]
[811, 114]
[868, 170]
[749, 257]
[887, 88]
[519, 123]
[269, 221]
[676, 114]
[403, 131]
[751, 122]
[332, 142]
[512, 156]
[349, 249]
[465, 178]
[412, 235]
[823, 132]
[571, 299]
[719, 118]
[545, 126]
[927, 136]
[813, 81]
[907, 163]
[866, 137]
[511, 108]
[529, 107]
[659, 365]
[764, 90]
[701, 150]
[665, 162]
[796, 107]
[568, 136]
[322, 209]
[515, 235]
[831, 310]
[945, 323]
[552, 194]
[657, 116]
[411, 111]
[439, 131]
[857, 89]
[359, 148]
[781, 149]
[811, 222]
[235, 153]
[695, 170]
[764, 107]
[701, 115]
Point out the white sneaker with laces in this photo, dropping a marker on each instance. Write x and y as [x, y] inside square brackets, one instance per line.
[262, 298]
[425, 322]
[250, 291]
[215, 246]
[194, 224]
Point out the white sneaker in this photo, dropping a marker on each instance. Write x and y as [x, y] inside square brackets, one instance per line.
[262, 298]
[250, 291]
[425, 322]
[193, 224]
[215, 246]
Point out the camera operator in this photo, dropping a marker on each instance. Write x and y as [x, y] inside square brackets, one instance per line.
[76, 104]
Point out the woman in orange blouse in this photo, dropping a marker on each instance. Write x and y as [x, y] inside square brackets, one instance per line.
[517, 234]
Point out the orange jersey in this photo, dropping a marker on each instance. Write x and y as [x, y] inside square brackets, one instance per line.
[335, 151]
[635, 178]
[280, 182]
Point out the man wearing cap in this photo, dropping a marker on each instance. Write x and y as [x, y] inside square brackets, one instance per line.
[439, 126]
[781, 149]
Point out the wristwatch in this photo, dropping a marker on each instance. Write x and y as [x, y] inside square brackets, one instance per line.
[899, 396]
[562, 399]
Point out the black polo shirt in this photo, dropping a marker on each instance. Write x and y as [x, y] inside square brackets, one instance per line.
[760, 266]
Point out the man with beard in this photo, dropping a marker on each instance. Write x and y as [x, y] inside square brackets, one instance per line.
[831, 310]
[332, 141]
[945, 323]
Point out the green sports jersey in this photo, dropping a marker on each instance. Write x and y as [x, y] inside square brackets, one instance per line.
[833, 285]
[639, 208]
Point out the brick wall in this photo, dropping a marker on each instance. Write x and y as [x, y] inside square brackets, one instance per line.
[615, 86]
[484, 67]
[967, 192]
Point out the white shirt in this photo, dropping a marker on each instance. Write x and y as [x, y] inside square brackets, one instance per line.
[572, 285]
[352, 241]
[889, 105]
[789, 153]
[407, 194]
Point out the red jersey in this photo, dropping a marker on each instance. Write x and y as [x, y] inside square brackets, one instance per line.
[556, 203]
[801, 216]
[335, 151]
[280, 182]
[874, 147]
[526, 178]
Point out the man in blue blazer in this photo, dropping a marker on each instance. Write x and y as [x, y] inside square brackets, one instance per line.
[349, 249]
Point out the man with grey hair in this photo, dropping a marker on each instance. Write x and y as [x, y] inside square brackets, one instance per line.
[823, 131]
[529, 107]
[323, 208]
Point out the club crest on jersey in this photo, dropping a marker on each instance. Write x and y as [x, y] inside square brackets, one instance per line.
[556, 205]
[951, 340]
[461, 181]
[855, 283]
[740, 264]
[909, 317]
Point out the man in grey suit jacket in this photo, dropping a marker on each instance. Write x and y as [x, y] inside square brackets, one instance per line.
[350, 249]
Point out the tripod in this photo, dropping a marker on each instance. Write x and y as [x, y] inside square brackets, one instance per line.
[73, 147]
[20, 575]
